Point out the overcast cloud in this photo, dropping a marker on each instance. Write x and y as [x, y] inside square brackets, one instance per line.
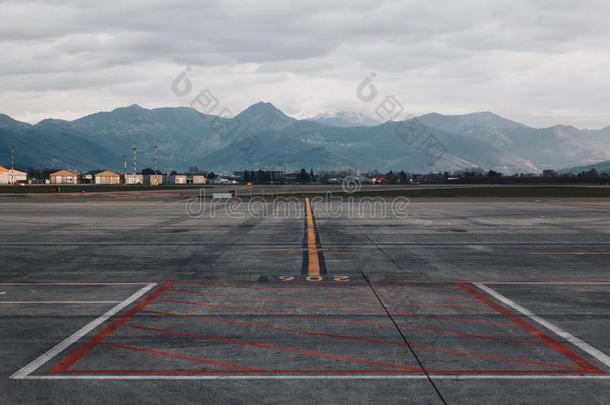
[541, 62]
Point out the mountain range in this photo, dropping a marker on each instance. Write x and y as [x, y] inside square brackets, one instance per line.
[262, 136]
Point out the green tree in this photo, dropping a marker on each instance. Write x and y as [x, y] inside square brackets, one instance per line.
[303, 177]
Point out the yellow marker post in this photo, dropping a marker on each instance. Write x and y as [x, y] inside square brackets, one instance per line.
[313, 268]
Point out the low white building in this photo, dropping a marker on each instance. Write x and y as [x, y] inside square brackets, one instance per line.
[11, 176]
[153, 179]
[134, 179]
[107, 177]
[221, 180]
[63, 177]
[177, 179]
[197, 179]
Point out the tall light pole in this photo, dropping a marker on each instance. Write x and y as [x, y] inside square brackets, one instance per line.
[12, 177]
[124, 170]
[285, 172]
[135, 172]
[156, 161]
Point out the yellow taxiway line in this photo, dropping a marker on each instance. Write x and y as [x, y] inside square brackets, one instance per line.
[313, 267]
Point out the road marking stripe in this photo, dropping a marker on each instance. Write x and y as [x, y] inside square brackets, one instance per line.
[182, 371]
[320, 377]
[60, 302]
[545, 282]
[69, 360]
[570, 254]
[74, 284]
[313, 264]
[597, 354]
[70, 340]
[559, 347]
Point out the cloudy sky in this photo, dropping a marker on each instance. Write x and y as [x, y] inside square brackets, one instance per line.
[541, 62]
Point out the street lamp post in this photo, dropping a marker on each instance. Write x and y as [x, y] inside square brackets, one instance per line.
[135, 156]
[12, 176]
[124, 170]
[156, 162]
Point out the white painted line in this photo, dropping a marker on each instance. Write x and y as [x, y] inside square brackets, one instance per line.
[322, 377]
[75, 283]
[597, 354]
[60, 302]
[70, 340]
[545, 282]
[3, 292]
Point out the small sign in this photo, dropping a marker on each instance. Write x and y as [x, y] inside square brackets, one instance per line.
[222, 196]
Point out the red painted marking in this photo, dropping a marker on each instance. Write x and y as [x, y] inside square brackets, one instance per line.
[72, 358]
[455, 352]
[452, 318]
[315, 372]
[299, 304]
[390, 325]
[268, 326]
[492, 357]
[241, 342]
[419, 283]
[352, 298]
[286, 290]
[440, 331]
[550, 342]
[448, 306]
[249, 310]
[225, 372]
[195, 359]
[296, 284]
[232, 307]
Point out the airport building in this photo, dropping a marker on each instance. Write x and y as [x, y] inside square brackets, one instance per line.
[177, 179]
[134, 179]
[11, 176]
[107, 177]
[153, 179]
[63, 177]
[196, 179]
[185, 179]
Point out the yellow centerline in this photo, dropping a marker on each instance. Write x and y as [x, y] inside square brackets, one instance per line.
[313, 267]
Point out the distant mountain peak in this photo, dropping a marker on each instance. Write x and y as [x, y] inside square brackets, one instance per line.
[8, 122]
[262, 107]
[186, 137]
[476, 119]
[132, 108]
[263, 115]
[345, 119]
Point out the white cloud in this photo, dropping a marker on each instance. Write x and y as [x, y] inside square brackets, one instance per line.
[542, 62]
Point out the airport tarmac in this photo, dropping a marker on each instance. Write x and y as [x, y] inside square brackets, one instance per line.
[354, 301]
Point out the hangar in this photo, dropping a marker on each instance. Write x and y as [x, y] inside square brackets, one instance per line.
[11, 176]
